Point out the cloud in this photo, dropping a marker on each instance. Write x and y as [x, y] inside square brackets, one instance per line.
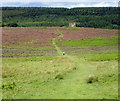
[80, 5]
[60, 4]
[15, 4]
[102, 4]
[59, 1]
[94, 4]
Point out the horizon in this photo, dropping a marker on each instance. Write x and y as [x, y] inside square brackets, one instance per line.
[61, 4]
[57, 7]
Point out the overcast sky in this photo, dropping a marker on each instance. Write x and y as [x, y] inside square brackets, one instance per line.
[59, 3]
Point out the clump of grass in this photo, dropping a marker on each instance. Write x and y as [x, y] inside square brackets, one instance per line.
[10, 85]
[59, 77]
[74, 68]
[92, 79]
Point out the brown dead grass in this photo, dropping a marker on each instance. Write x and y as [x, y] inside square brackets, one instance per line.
[8, 72]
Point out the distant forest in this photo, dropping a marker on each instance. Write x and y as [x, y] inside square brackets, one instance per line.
[97, 17]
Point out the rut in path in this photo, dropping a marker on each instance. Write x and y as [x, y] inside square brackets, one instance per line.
[84, 68]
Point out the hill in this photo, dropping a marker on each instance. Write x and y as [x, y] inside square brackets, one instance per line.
[97, 17]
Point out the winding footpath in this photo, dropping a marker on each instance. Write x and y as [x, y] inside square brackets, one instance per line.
[53, 42]
[75, 81]
[80, 63]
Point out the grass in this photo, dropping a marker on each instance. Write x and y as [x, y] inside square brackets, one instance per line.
[50, 77]
[89, 42]
[99, 38]
[22, 59]
[38, 27]
[81, 76]
[110, 29]
[30, 71]
[75, 29]
[37, 49]
[116, 37]
[101, 57]
[54, 43]
[93, 53]
[106, 55]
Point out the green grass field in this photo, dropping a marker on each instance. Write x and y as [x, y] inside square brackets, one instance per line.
[61, 76]
[75, 29]
[85, 72]
[89, 42]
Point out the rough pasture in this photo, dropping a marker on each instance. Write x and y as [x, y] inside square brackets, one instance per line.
[12, 36]
[26, 41]
[88, 33]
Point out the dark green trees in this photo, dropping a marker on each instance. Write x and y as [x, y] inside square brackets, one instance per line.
[13, 24]
[97, 17]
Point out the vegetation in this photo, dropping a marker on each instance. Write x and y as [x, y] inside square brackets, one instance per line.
[35, 49]
[75, 29]
[57, 76]
[81, 74]
[116, 37]
[104, 56]
[12, 25]
[89, 42]
[97, 17]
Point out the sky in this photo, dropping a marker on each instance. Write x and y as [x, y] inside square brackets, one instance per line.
[59, 3]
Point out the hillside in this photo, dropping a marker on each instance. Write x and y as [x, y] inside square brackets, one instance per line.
[97, 17]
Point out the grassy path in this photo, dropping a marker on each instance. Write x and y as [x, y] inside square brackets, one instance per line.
[77, 60]
[86, 66]
[74, 85]
[53, 41]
